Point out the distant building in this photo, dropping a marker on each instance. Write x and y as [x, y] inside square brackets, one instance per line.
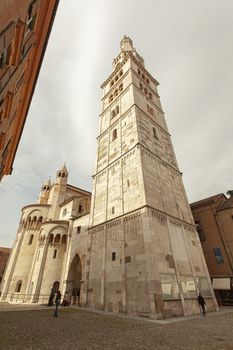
[24, 31]
[4, 255]
[214, 219]
[133, 246]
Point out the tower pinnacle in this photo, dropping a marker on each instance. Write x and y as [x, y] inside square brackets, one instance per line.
[126, 44]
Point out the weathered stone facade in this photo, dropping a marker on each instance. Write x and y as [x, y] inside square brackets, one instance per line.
[138, 251]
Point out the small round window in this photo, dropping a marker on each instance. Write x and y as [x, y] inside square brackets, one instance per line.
[64, 212]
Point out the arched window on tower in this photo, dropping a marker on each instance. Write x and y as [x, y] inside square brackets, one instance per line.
[117, 109]
[121, 72]
[113, 113]
[155, 133]
[110, 98]
[80, 208]
[121, 87]
[114, 134]
[18, 286]
[51, 238]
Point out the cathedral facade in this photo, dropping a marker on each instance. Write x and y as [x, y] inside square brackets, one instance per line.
[131, 246]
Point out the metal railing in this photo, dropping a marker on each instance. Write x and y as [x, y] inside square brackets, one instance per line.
[25, 298]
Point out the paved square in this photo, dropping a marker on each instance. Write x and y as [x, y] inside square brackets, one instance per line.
[79, 329]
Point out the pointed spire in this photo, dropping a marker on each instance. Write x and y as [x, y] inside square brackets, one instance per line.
[127, 49]
[46, 185]
[62, 172]
[126, 44]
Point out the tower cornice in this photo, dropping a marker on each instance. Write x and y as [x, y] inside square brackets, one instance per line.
[127, 56]
[127, 111]
[140, 146]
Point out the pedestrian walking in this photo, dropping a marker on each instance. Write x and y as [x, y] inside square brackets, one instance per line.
[57, 303]
[66, 299]
[201, 302]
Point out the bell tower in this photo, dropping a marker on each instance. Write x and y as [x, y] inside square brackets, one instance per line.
[149, 259]
[58, 191]
[44, 192]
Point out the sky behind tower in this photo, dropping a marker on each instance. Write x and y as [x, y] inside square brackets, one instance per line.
[187, 47]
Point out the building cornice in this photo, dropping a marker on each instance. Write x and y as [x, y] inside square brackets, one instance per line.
[36, 205]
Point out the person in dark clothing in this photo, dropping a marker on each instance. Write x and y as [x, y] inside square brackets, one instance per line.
[201, 302]
[57, 303]
[51, 297]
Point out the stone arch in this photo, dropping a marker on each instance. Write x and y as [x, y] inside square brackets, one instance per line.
[40, 220]
[64, 238]
[74, 279]
[18, 286]
[57, 238]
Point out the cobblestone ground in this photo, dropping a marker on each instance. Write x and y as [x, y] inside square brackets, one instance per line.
[78, 329]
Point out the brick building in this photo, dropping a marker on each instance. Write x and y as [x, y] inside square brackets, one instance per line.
[24, 31]
[214, 219]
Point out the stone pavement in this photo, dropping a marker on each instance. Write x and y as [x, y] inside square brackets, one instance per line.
[36, 329]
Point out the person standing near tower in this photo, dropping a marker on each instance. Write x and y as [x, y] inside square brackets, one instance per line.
[201, 302]
[57, 303]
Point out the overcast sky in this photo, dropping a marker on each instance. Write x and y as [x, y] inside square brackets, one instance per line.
[187, 46]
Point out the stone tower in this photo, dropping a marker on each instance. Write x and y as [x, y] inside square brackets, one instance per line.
[144, 255]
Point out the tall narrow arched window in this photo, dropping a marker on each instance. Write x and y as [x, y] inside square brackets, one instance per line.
[150, 95]
[114, 134]
[155, 134]
[18, 286]
[29, 222]
[110, 98]
[121, 87]
[51, 238]
[113, 113]
[30, 240]
[80, 208]
[121, 72]
[117, 109]
[116, 93]
[141, 86]
[39, 222]
[113, 210]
